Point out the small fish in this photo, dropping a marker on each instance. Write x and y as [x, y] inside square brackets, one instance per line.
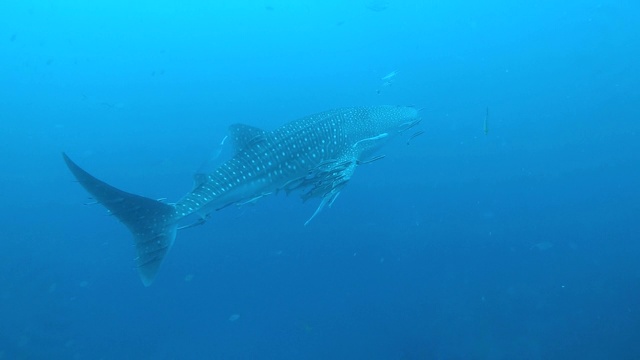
[390, 76]
[371, 160]
[198, 222]
[418, 133]
[387, 80]
[210, 163]
[486, 122]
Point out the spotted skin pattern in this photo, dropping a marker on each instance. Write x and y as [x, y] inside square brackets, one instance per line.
[317, 153]
[266, 161]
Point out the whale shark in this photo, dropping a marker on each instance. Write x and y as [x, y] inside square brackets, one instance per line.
[316, 155]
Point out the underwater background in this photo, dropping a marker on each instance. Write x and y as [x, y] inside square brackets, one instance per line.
[509, 230]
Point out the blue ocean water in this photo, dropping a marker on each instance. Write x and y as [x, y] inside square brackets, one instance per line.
[512, 236]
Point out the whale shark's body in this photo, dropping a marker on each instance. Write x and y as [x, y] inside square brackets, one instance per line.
[316, 154]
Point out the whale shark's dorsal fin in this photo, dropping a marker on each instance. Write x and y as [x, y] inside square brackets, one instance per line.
[244, 136]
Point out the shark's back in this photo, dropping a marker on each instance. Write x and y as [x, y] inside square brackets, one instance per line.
[266, 161]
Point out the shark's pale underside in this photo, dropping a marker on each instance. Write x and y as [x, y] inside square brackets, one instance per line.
[316, 154]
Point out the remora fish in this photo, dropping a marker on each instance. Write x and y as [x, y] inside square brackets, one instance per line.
[390, 76]
[316, 154]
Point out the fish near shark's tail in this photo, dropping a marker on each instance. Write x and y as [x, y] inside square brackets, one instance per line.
[152, 223]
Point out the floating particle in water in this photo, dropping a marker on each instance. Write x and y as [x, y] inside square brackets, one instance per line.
[542, 246]
[234, 317]
[377, 5]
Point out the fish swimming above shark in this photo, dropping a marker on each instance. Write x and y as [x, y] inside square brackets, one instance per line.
[316, 155]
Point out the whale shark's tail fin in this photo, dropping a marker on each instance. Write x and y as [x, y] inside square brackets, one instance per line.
[152, 223]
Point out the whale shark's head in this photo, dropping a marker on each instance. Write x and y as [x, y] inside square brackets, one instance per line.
[392, 119]
[372, 127]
